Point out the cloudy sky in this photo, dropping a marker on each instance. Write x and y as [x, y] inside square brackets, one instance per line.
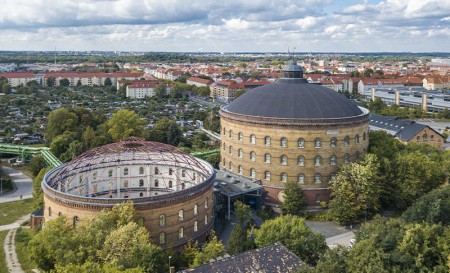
[226, 25]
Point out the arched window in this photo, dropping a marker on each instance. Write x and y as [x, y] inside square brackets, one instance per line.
[418, 139]
[49, 212]
[170, 183]
[183, 186]
[432, 137]
[283, 160]
[125, 171]
[240, 170]
[156, 183]
[252, 139]
[141, 182]
[252, 173]
[346, 141]
[230, 166]
[364, 136]
[357, 139]
[141, 170]
[75, 221]
[317, 143]
[156, 170]
[183, 173]
[317, 161]
[267, 175]
[301, 178]
[332, 177]
[231, 134]
[206, 220]
[230, 150]
[195, 209]
[110, 173]
[346, 159]
[224, 131]
[125, 183]
[180, 215]
[170, 171]
[333, 160]
[94, 175]
[267, 158]
[333, 142]
[206, 203]
[162, 220]
[301, 143]
[283, 177]
[283, 142]
[357, 155]
[240, 137]
[317, 178]
[162, 238]
[252, 156]
[224, 162]
[223, 146]
[240, 153]
[425, 137]
[195, 226]
[301, 161]
[80, 178]
[267, 141]
[180, 233]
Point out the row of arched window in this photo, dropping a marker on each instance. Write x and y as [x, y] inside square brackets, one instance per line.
[162, 235]
[301, 161]
[333, 142]
[162, 217]
[141, 171]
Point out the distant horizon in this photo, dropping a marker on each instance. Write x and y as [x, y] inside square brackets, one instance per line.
[350, 26]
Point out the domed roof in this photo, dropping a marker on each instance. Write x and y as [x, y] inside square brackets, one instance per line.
[292, 97]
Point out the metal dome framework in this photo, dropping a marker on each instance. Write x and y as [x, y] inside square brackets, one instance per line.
[130, 169]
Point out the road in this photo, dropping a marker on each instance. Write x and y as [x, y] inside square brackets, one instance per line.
[24, 186]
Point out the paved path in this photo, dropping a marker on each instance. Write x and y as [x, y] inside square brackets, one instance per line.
[341, 239]
[24, 186]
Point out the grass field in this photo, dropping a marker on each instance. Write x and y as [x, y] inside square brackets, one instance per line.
[2, 251]
[23, 236]
[10, 212]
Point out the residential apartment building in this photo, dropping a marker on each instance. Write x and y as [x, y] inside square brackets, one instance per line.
[199, 82]
[90, 78]
[19, 78]
[141, 89]
[436, 82]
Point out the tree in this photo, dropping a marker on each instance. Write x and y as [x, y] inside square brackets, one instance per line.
[367, 257]
[6, 88]
[433, 208]
[210, 250]
[415, 174]
[174, 134]
[108, 82]
[36, 164]
[64, 82]
[88, 137]
[293, 233]
[51, 81]
[243, 212]
[59, 121]
[356, 190]
[239, 240]
[91, 267]
[125, 123]
[294, 199]
[333, 261]
[60, 146]
[38, 194]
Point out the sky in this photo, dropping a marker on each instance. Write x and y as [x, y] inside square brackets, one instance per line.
[226, 25]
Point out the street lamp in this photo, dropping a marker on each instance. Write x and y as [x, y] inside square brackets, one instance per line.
[170, 257]
[1, 185]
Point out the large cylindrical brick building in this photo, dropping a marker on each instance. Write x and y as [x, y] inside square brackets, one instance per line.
[171, 191]
[292, 131]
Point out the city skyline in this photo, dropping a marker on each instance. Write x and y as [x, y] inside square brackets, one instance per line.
[232, 26]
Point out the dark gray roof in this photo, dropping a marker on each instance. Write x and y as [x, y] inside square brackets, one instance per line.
[274, 258]
[404, 129]
[294, 99]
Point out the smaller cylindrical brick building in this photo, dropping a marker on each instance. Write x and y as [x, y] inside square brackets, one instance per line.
[171, 191]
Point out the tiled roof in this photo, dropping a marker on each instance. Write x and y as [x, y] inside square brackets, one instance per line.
[274, 258]
[11, 75]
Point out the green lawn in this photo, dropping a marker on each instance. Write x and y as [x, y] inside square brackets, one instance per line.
[2, 251]
[23, 236]
[10, 212]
